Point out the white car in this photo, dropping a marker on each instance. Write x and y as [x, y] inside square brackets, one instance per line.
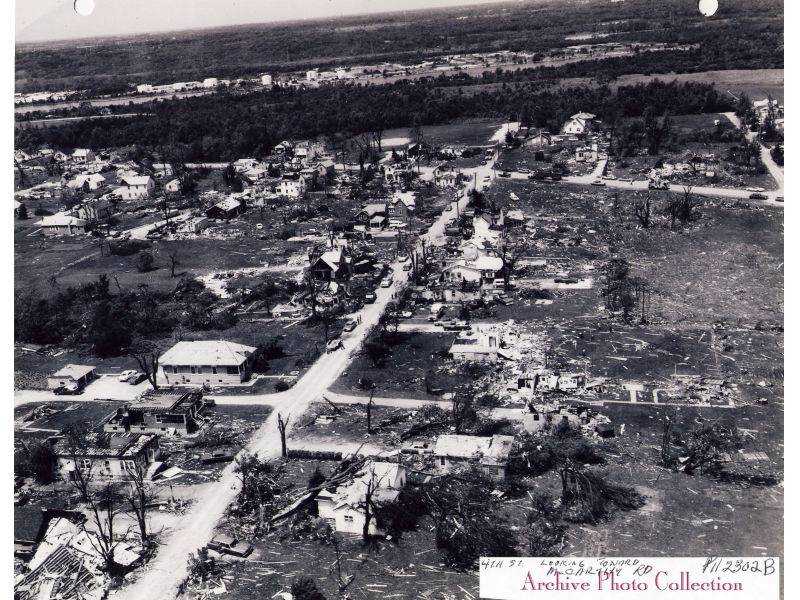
[125, 375]
[259, 226]
[334, 345]
[386, 283]
[407, 314]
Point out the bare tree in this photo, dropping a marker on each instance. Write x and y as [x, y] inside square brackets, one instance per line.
[174, 263]
[148, 362]
[312, 285]
[682, 207]
[643, 211]
[511, 256]
[461, 409]
[282, 430]
[103, 513]
[369, 409]
[82, 465]
[139, 495]
[669, 421]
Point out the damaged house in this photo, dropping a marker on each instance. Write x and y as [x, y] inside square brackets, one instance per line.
[345, 507]
[162, 410]
[109, 456]
[490, 454]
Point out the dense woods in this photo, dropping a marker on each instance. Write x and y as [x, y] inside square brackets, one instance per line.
[227, 126]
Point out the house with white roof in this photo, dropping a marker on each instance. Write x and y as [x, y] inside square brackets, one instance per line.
[578, 123]
[212, 362]
[136, 187]
[82, 156]
[87, 183]
[373, 216]
[345, 507]
[62, 224]
[489, 454]
[484, 269]
[173, 187]
[227, 209]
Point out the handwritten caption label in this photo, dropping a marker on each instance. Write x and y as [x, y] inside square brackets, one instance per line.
[640, 578]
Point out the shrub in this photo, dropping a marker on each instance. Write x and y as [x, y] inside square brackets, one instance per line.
[127, 247]
[288, 232]
[281, 386]
[144, 262]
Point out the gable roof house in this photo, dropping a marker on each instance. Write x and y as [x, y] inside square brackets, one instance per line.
[331, 265]
[94, 210]
[173, 187]
[87, 183]
[540, 138]
[490, 454]
[62, 224]
[345, 507]
[135, 188]
[109, 456]
[212, 362]
[83, 156]
[292, 185]
[578, 123]
[227, 209]
[162, 170]
[484, 269]
[373, 216]
[285, 148]
[397, 173]
[328, 167]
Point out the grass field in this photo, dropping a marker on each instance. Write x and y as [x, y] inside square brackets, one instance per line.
[469, 133]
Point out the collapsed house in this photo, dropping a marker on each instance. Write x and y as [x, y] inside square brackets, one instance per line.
[345, 507]
[490, 454]
[113, 456]
[163, 410]
[67, 565]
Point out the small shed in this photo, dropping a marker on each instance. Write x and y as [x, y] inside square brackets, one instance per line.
[78, 374]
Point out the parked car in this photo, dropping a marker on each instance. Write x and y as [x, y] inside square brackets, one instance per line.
[407, 267]
[350, 325]
[523, 170]
[598, 183]
[259, 226]
[758, 196]
[778, 198]
[370, 298]
[126, 375]
[402, 258]
[386, 283]
[504, 174]
[334, 345]
[68, 390]
[226, 544]
[137, 379]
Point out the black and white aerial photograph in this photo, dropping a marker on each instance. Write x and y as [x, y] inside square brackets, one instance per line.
[335, 299]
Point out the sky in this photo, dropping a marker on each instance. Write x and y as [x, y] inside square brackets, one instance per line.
[41, 20]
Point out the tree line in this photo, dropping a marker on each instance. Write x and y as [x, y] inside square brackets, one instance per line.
[228, 126]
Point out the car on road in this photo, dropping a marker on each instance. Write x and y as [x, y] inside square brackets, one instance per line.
[407, 267]
[407, 314]
[504, 174]
[369, 298]
[126, 375]
[523, 170]
[137, 379]
[226, 544]
[487, 178]
[333, 345]
[755, 189]
[758, 196]
[609, 177]
[778, 198]
[68, 390]
[386, 283]
[449, 208]
[349, 326]
[402, 258]
[598, 183]
[533, 176]
[259, 226]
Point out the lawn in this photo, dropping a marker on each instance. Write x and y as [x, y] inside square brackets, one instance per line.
[477, 132]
